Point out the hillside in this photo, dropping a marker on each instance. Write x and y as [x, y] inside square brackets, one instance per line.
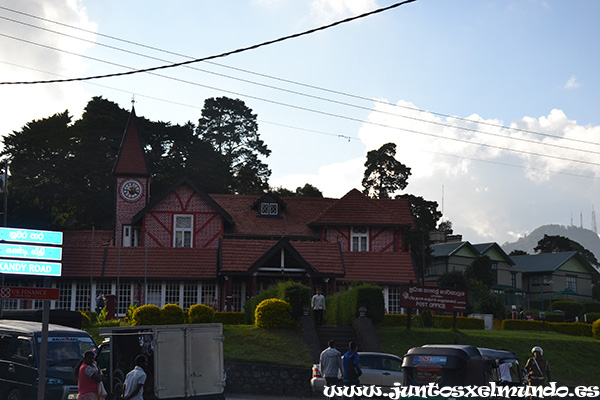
[584, 237]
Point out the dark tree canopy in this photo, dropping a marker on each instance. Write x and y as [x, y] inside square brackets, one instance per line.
[517, 252]
[384, 175]
[61, 173]
[307, 190]
[446, 227]
[480, 271]
[231, 129]
[558, 244]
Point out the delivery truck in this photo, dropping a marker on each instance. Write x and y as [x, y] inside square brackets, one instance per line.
[184, 361]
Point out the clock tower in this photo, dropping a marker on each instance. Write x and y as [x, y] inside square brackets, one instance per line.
[133, 184]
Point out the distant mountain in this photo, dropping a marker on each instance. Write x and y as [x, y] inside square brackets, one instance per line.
[584, 237]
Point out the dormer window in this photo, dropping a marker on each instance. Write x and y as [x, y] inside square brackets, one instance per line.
[182, 234]
[269, 209]
[359, 238]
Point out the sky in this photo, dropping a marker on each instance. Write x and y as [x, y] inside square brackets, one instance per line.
[494, 105]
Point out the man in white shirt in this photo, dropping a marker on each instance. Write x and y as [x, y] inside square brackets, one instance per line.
[134, 381]
[318, 305]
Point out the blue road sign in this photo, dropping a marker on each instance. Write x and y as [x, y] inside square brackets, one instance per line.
[35, 252]
[30, 236]
[30, 268]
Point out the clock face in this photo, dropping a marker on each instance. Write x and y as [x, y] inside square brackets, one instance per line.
[131, 190]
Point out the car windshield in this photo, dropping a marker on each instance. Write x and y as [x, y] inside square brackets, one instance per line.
[65, 352]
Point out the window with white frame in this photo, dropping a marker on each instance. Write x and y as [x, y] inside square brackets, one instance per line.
[154, 294]
[83, 296]
[572, 283]
[64, 296]
[238, 292]
[183, 231]
[394, 299]
[190, 295]
[359, 238]
[269, 209]
[172, 293]
[209, 294]
[123, 298]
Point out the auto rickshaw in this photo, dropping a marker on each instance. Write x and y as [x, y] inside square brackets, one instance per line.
[459, 366]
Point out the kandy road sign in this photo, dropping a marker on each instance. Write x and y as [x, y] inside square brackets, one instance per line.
[21, 255]
[28, 293]
[434, 298]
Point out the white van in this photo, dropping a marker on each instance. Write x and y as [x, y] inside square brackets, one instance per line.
[20, 343]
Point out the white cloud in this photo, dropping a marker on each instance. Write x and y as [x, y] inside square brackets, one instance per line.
[490, 193]
[23, 60]
[331, 10]
[572, 83]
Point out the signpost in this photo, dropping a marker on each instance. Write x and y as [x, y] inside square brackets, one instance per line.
[434, 298]
[21, 254]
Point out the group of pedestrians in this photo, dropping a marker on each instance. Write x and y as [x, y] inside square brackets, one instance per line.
[89, 379]
[333, 365]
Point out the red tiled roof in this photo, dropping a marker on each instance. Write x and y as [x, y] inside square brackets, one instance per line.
[129, 262]
[299, 212]
[131, 159]
[238, 255]
[357, 209]
[87, 238]
[379, 267]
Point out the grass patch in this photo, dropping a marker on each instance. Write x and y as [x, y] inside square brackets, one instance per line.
[573, 360]
[248, 343]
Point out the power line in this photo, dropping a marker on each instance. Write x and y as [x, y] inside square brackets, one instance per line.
[240, 50]
[277, 88]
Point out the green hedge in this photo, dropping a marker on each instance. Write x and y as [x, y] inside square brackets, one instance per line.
[571, 308]
[592, 316]
[230, 317]
[342, 308]
[440, 321]
[567, 328]
[592, 306]
[292, 292]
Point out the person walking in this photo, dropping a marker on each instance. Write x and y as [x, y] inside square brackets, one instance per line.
[88, 376]
[133, 388]
[318, 305]
[537, 368]
[330, 364]
[351, 364]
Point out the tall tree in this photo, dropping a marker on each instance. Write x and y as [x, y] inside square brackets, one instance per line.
[384, 175]
[557, 244]
[231, 128]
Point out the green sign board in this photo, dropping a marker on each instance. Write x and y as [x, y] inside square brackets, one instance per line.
[30, 236]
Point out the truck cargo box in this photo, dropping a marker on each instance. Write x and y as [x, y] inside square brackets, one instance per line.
[184, 361]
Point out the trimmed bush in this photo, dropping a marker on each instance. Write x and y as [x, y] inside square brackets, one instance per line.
[230, 317]
[555, 317]
[295, 293]
[274, 313]
[172, 314]
[592, 306]
[592, 316]
[200, 313]
[426, 319]
[251, 303]
[343, 308]
[148, 314]
[571, 308]
[394, 320]
[596, 329]
[571, 328]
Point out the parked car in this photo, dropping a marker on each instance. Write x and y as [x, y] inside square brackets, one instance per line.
[379, 369]
[20, 351]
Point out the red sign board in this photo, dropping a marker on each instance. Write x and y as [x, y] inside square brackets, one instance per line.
[434, 298]
[28, 293]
